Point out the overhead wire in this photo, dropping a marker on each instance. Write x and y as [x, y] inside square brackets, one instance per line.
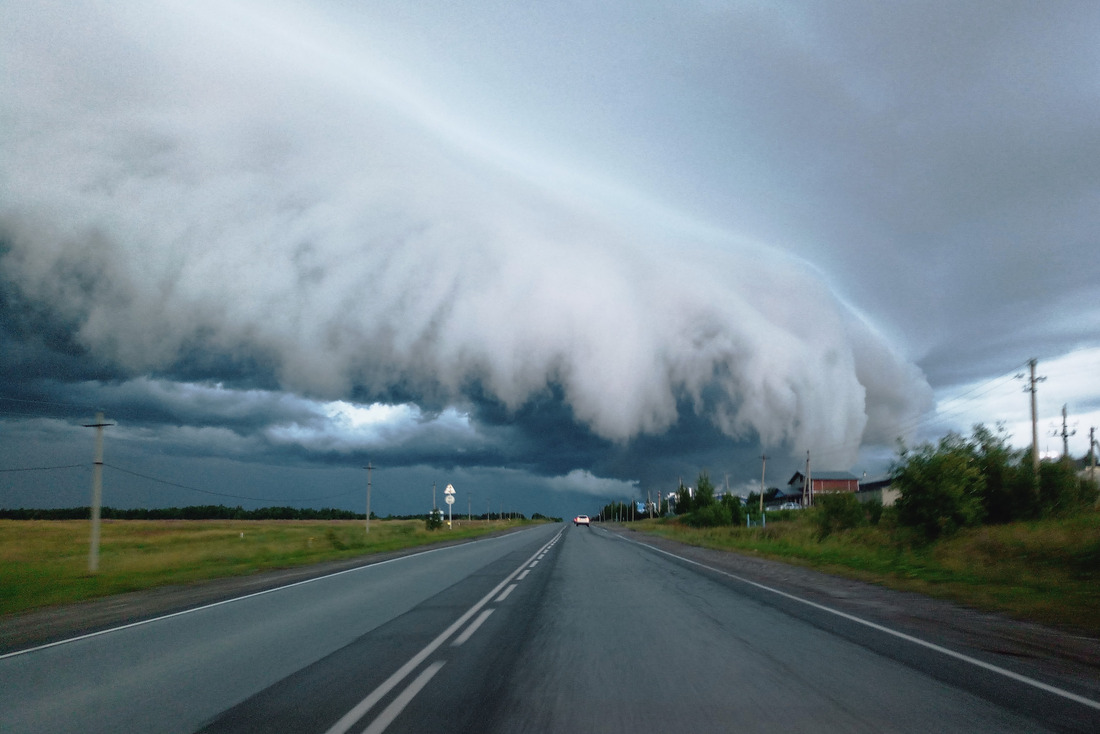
[225, 494]
[46, 468]
[967, 397]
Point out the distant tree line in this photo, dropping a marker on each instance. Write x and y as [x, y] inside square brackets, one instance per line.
[197, 512]
[221, 512]
[957, 482]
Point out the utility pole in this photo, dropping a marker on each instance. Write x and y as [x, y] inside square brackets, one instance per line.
[1093, 446]
[1066, 433]
[433, 497]
[1031, 383]
[97, 490]
[808, 485]
[369, 467]
[763, 468]
[469, 507]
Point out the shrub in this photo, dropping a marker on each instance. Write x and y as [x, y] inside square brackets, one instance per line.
[941, 486]
[684, 504]
[874, 510]
[434, 521]
[704, 491]
[711, 516]
[735, 508]
[1061, 491]
[837, 512]
[1009, 492]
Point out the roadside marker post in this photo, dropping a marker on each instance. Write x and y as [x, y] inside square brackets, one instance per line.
[449, 498]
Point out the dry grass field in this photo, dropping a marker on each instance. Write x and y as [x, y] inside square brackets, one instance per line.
[43, 563]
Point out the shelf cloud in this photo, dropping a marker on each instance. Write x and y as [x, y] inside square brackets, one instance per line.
[230, 196]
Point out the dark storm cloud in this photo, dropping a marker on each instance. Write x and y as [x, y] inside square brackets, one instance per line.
[623, 240]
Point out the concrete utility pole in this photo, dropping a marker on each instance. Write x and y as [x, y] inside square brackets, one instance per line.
[808, 486]
[763, 468]
[368, 467]
[1065, 433]
[1031, 383]
[1094, 445]
[97, 490]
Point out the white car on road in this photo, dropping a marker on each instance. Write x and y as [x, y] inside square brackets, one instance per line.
[581, 520]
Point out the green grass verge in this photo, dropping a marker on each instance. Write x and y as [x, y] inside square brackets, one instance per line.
[1046, 571]
[45, 563]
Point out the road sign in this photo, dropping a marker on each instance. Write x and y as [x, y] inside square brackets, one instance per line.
[449, 490]
[449, 499]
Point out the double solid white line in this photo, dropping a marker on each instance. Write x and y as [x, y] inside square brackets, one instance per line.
[390, 712]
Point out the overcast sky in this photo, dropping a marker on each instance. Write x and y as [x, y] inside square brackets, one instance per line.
[554, 254]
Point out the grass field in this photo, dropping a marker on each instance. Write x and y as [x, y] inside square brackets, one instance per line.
[1045, 571]
[43, 563]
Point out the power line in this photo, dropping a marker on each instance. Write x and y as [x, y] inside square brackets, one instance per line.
[48, 402]
[223, 494]
[47, 468]
[966, 397]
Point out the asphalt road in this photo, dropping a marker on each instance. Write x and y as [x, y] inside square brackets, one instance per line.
[551, 629]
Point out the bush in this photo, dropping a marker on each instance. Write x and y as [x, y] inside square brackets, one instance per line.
[874, 510]
[735, 508]
[434, 521]
[704, 491]
[836, 512]
[942, 487]
[711, 516]
[1061, 491]
[1009, 492]
[684, 503]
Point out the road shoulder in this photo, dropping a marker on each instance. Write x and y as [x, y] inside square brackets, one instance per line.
[43, 626]
[1060, 656]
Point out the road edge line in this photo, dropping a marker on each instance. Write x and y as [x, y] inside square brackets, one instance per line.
[1019, 678]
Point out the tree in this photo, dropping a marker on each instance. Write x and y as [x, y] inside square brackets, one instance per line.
[713, 515]
[942, 486]
[836, 512]
[1010, 492]
[735, 508]
[704, 491]
[1061, 491]
[684, 503]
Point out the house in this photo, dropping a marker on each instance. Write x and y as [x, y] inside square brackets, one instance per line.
[823, 482]
[878, 489]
